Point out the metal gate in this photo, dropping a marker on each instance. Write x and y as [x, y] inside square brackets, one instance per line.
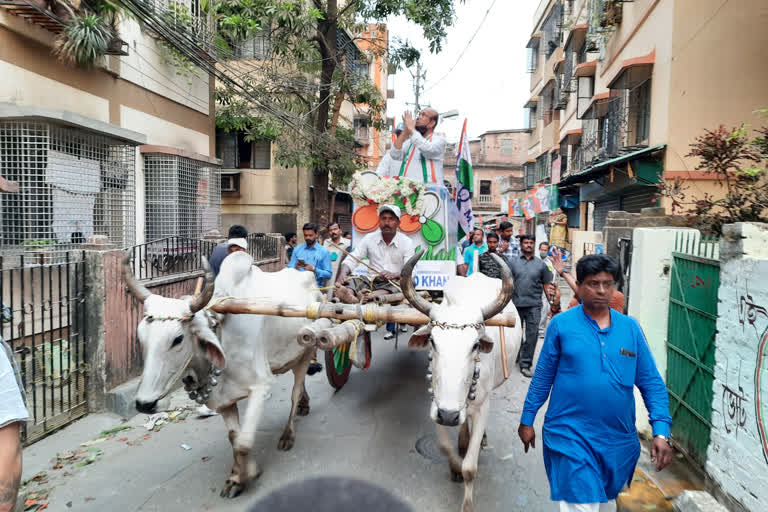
[47, 336]
[691, 340]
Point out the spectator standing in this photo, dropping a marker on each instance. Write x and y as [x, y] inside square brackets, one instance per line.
[509, 245]
[311, 256]
[335, 239]
[290, 244]
[530, 274]
[478, 246]
[221, 250]
[485, 263]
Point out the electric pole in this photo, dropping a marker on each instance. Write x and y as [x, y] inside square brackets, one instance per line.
[418, 84]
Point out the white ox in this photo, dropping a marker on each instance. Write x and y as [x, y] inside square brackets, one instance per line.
[465, 360]
[178, 342]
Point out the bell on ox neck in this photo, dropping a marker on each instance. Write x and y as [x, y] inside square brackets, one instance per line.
[429, 355]
[192, 395]
[473, 387]
[471, 396]
[217, 372]
[208, 390]
[429, 390]
[477, 372]
[200, 399]
[213, 381]
[429, 376]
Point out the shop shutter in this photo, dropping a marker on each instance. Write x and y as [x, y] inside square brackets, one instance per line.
[636, 201]
[601, 211]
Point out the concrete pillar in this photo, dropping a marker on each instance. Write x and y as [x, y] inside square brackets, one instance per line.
[649, 284]
[304, 208]
[141, 203]
[95, 301]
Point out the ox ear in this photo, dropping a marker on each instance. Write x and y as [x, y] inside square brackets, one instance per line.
[486, 343]
[420, 338]
[208, 341]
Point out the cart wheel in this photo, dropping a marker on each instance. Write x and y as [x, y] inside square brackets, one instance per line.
[335, 379]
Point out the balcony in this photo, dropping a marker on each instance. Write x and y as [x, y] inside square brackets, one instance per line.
[512, 184]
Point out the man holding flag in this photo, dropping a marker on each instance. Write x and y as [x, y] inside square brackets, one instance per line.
[418, 149]
[464, 183]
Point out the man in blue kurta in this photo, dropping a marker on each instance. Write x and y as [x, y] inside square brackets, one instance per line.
[311, 256]
[591, 360]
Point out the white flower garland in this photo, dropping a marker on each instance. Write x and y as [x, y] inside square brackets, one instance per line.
[386, 190]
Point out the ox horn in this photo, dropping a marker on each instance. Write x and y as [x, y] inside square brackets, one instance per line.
[406, 284]
[507, 287]
[202, 299]
[137, 290]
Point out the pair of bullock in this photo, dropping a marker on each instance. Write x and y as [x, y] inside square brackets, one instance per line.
[179, 343]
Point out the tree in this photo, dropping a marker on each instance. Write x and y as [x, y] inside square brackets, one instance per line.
[738, 165]
[307, 75]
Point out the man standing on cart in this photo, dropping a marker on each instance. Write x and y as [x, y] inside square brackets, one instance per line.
[418, 149]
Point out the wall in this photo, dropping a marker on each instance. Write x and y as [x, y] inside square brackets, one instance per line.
[737, 458]
[732, 42]
[490, 148]
[577, 245]
[649, 305]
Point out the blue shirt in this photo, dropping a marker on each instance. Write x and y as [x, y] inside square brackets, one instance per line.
[317, 256]
[469, 251]
[590, 440]
[220, 252]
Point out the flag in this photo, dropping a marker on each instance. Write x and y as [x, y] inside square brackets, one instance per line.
[464, 184]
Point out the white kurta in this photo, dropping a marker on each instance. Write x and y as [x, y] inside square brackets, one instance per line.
[432, 149]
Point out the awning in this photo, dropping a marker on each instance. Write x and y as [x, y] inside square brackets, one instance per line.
[633, 72]
[571, 136]
[601, 168]
[576, 36]
[534, 40]
[598, 106]
[532, 101]
[230, 172]
[585, 69]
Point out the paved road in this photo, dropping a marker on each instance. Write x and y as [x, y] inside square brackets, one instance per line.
[368, 430]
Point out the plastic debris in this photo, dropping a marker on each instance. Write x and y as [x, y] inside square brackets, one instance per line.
[186, 447]
[159, 418]
[204, 412]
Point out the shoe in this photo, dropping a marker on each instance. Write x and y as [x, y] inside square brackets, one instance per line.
[389, 335]
[403, 328]
[526, 372]
[314, 367]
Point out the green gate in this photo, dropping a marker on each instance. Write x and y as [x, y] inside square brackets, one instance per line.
[691, 340]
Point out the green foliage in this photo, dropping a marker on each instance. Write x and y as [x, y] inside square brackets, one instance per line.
[739, 164]
[37, 244]
[84, 41]
[178, 14]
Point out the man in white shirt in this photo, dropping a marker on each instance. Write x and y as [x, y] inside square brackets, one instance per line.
[389, 167]
[332, 243]
[387, 251]
[418, 149]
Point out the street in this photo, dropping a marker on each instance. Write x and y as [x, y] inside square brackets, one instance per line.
[376, 428]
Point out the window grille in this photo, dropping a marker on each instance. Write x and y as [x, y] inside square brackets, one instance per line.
[543, 168]
[532, 56]
[551, 31]
[261, 154]
[530, 171]
[73, 183]
[183, 196]
[507, 146]
[257, 47]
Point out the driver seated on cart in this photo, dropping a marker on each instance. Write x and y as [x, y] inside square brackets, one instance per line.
[387, 251]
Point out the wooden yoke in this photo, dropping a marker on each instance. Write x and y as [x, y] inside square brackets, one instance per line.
[368, 313]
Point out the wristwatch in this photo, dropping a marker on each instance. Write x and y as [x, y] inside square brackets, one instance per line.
[661, 436]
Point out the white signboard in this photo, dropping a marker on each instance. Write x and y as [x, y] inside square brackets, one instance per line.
[432, 275]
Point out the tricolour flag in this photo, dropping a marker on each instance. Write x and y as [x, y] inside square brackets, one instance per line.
[464, 184]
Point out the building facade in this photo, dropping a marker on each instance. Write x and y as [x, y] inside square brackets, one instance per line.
[124, 149]
[262, 195]
[498, 157]
[619, 90]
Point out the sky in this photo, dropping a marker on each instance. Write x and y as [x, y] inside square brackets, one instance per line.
[489, 85]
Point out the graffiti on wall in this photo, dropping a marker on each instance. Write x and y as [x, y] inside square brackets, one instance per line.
[734, 405]
[755, 317]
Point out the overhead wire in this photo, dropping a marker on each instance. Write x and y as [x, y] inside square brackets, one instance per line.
[485, 16]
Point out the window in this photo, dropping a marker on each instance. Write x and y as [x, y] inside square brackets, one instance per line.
[532, 55]
[237, 153]
[543, 168]
[485, 187]
[548, 106]
[534, 116]
[258, 47]
[230, 183]
[551, 31]
[361, 129]
[508, 146]
[530, 171]
[640, 113]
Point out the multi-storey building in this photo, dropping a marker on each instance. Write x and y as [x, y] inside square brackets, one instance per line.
[619, 89]
[498, 157]
[262, 195]
[123, 149]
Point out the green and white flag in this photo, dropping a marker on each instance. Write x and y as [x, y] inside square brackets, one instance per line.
[464, 183]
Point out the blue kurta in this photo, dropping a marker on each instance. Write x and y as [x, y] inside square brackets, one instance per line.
[317, 256]
[590, 440]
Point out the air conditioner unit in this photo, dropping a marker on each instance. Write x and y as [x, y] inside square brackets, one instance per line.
[228, 183]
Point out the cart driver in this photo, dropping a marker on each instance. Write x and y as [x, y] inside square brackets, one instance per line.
[387, 251]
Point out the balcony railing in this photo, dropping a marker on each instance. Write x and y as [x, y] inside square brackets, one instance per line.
[483, 199]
